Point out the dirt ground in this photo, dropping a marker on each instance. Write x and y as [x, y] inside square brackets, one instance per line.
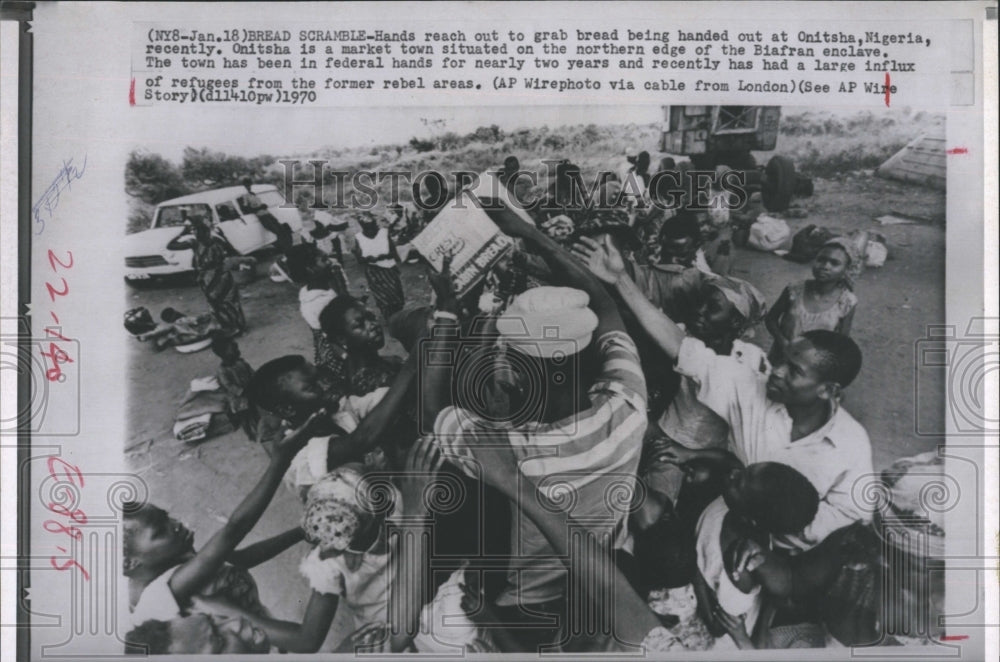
[202, 483]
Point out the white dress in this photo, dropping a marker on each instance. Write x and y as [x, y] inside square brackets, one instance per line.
[712, 568]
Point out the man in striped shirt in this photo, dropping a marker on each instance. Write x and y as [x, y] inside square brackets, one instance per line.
[576, 415]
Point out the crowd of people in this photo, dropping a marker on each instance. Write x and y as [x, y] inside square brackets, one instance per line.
[587, 426]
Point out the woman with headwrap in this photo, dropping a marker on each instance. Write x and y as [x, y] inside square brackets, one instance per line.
[211, 253]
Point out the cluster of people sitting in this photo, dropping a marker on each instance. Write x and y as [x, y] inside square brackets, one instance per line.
[586, 427]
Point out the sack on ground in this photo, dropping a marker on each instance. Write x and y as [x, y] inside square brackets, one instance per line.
[807, 243]
[768, 233]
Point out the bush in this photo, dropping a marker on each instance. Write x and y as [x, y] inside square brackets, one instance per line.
[421, 145]
[554, 142]
[450, 141]
[487, 134]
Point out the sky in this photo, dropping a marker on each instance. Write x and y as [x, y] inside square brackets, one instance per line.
[279, 131]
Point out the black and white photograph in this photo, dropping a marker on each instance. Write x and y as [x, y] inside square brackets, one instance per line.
[444, 334]
[788, 282]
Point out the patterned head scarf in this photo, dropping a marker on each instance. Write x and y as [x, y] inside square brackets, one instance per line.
[746, 298]
[855, 262]
[335, 511]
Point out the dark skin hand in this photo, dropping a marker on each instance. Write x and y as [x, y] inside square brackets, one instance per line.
[373, 427]
[565, 268]
[196, 573]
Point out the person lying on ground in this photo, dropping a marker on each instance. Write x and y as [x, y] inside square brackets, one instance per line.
[176, 328]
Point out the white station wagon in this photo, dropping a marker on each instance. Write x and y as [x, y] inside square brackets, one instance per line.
[146, 252]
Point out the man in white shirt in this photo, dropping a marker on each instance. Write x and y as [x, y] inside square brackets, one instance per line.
[792, 416]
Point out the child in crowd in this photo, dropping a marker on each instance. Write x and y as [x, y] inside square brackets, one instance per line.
[351, 362]
[761, 500]
[178, 329]
[233, 376]
[376, 251]
[349, 562]
[197, 634]
[165, 572]
[825, 302]
[346, 519]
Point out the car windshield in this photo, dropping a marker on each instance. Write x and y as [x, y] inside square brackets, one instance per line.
[173, 215]
[270, 199]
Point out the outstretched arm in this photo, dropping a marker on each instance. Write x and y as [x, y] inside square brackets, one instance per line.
[374, 426]
[304, 637]
[193, 575]
[606, 263]
[253, 555]
[436, 376]
[563, 266]
[593, 569]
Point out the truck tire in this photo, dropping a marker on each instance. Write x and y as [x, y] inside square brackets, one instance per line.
[779, 184]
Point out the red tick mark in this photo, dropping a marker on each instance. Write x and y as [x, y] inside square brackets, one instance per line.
[888, 82]
[958, 150]
[131, 93]
[954, 637]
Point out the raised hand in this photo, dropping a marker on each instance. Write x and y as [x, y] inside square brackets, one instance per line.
[371, 638]
[749, 556]
[735, 626]
[444, 286]
[603, 259]
[420, 469]
[296, 440]
[670, 452]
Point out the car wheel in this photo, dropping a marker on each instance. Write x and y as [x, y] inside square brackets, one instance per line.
[778, 184]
